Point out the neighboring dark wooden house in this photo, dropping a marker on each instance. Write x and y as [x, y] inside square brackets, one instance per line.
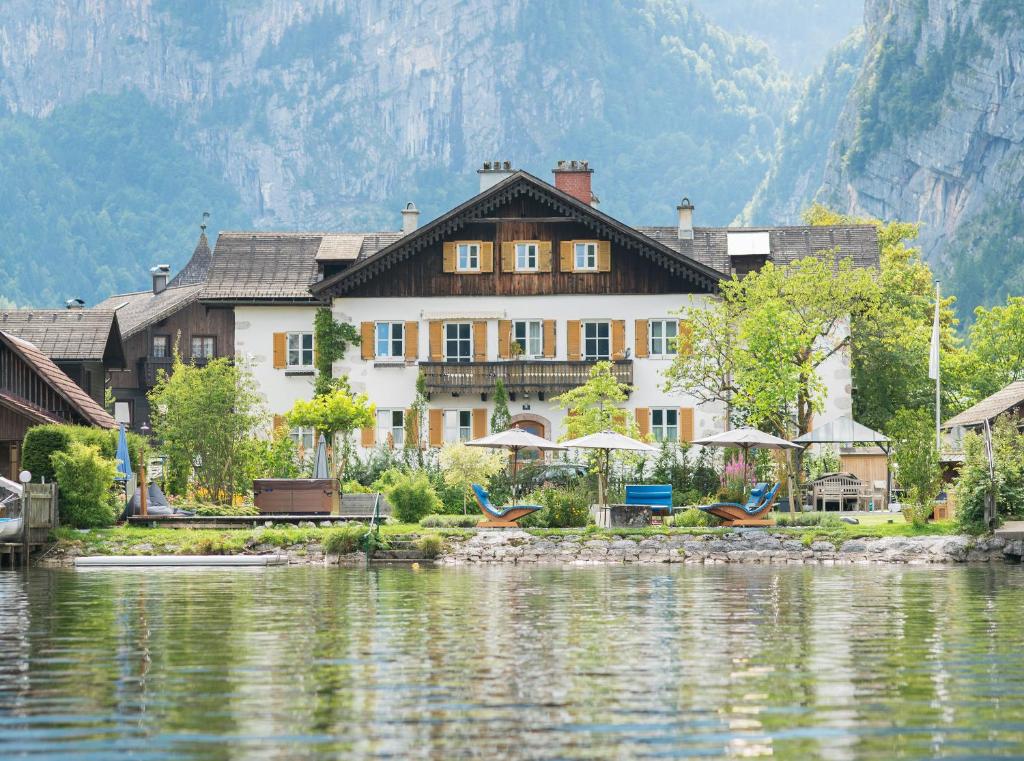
[153, 322]
[85, 343]
[34, 391]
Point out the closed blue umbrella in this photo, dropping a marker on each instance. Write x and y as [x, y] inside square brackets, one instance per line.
[320, 469]
[124, 459]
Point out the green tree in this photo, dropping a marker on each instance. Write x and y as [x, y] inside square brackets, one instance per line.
[997, 346]
[85, 478]
[464, 466]
[416, 420]
[594, 406]
[337, 412]
[331, 340]
[917, 461]
[501, 418]
[1006, 480]
[206, 416]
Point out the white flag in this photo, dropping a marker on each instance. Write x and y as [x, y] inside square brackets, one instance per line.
[933, 358]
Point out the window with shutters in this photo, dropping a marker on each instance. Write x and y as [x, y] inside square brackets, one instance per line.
[585, 255]
[663, 337]
[161, 346]
[468, 257]
[458, 425]
[458, 342]
[597, 340]
[390, 340]
[391, 427]
[300, 350]
[526, 257]
[665, 424]
[304, 438]
[203, 347]
[529, 335]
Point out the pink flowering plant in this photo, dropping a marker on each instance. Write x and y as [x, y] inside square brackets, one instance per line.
[737, 479]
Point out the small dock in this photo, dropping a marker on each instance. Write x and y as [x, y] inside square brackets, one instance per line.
[11, 553]
[178, 561]
[1011, 531]
[238, 521]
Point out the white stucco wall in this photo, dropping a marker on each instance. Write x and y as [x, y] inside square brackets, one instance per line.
[254, 342]
[392, 386]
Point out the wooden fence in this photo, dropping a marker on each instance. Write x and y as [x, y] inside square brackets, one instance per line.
[42, 511]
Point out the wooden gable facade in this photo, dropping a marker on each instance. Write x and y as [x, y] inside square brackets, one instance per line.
[521, 209]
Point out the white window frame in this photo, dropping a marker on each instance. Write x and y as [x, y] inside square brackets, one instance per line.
[596, 356]
[391, 422]
[459, 358]
[524, 251]
[535, 350]
[472, 257]
[395, 346]
[458, 425]
[299, 338]
[165, 349]
[299, 434]
[661, 427]
[667, 347]
[584, 255]
[204, 340]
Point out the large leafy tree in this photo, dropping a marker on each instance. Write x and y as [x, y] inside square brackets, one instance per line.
[338, 411]
[207, 417]
[997, 346]
[594, 406]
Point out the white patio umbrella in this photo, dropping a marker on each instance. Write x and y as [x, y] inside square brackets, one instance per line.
[320, 469]
[746, 439]
[606, 441]
[514, 440]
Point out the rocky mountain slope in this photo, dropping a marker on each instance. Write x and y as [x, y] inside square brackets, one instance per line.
[932, 130]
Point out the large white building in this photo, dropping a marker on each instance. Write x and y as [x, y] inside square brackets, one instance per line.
[530, 283]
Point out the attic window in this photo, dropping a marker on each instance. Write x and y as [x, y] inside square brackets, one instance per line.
[749, 244]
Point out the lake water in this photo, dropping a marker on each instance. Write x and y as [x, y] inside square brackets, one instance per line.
[788, 662]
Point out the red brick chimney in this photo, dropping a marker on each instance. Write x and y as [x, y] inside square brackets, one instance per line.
[573, 177]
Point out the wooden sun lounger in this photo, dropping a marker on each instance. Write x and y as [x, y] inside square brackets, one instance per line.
[750, 514]
[499, 517]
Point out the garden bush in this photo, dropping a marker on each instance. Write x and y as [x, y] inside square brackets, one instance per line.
[85, 479]
[412, 496]
[442, 520]
[344, 540]
[42, 441]
[822, 520]
[209, 509]
[430, 545]
[561, 508]
[691, 518]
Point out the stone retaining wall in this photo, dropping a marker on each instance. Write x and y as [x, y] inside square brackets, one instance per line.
[742, 546]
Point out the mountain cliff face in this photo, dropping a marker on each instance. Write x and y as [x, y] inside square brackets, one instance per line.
[933, 130]
[332, 114]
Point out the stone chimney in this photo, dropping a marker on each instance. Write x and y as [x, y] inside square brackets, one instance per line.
[685, 229]
[494, 172]
[573, 177]
[410, 218]
[161, 274]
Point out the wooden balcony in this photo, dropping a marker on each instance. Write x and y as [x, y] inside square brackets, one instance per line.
[520, 376]
[150, 367]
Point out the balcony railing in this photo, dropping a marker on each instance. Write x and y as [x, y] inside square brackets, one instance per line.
[519, 376]
[150, 367]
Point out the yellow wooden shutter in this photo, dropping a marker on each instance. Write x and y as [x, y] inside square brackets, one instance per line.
[604, 256]
[436, 427]
[366, 336]
[504, 339]
[368, 436]
[486, 256]
[449, 257]
[549, 339]
[684, 341]
[412, 340]
[479, 340]
[280, 350]
[278, 422]
[640, 343]
[643, 421]
[572, 337]
[618, 339]
[411, 427]
[508, 256]
[479, 423]
[686, 423]
[544, 256]
[436, 329]
[565, 260]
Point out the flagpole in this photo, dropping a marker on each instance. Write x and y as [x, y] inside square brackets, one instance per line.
[938, 373]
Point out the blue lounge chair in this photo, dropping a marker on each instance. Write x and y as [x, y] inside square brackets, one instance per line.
[750, 514]
[499, 517]
[658, 497]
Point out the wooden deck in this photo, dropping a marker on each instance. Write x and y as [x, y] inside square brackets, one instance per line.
[1011, 530]
[237, 521]
[11, 553]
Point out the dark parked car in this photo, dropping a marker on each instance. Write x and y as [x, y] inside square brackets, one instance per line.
[542, 474]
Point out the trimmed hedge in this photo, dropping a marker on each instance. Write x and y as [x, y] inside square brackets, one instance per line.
[42, 441]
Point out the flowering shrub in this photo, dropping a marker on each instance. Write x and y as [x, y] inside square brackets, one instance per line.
[737, 478]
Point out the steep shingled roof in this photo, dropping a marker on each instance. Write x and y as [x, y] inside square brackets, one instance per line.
[991, 407]
[137, 311]
[66, 334]
[198, 266]
[72, 393]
